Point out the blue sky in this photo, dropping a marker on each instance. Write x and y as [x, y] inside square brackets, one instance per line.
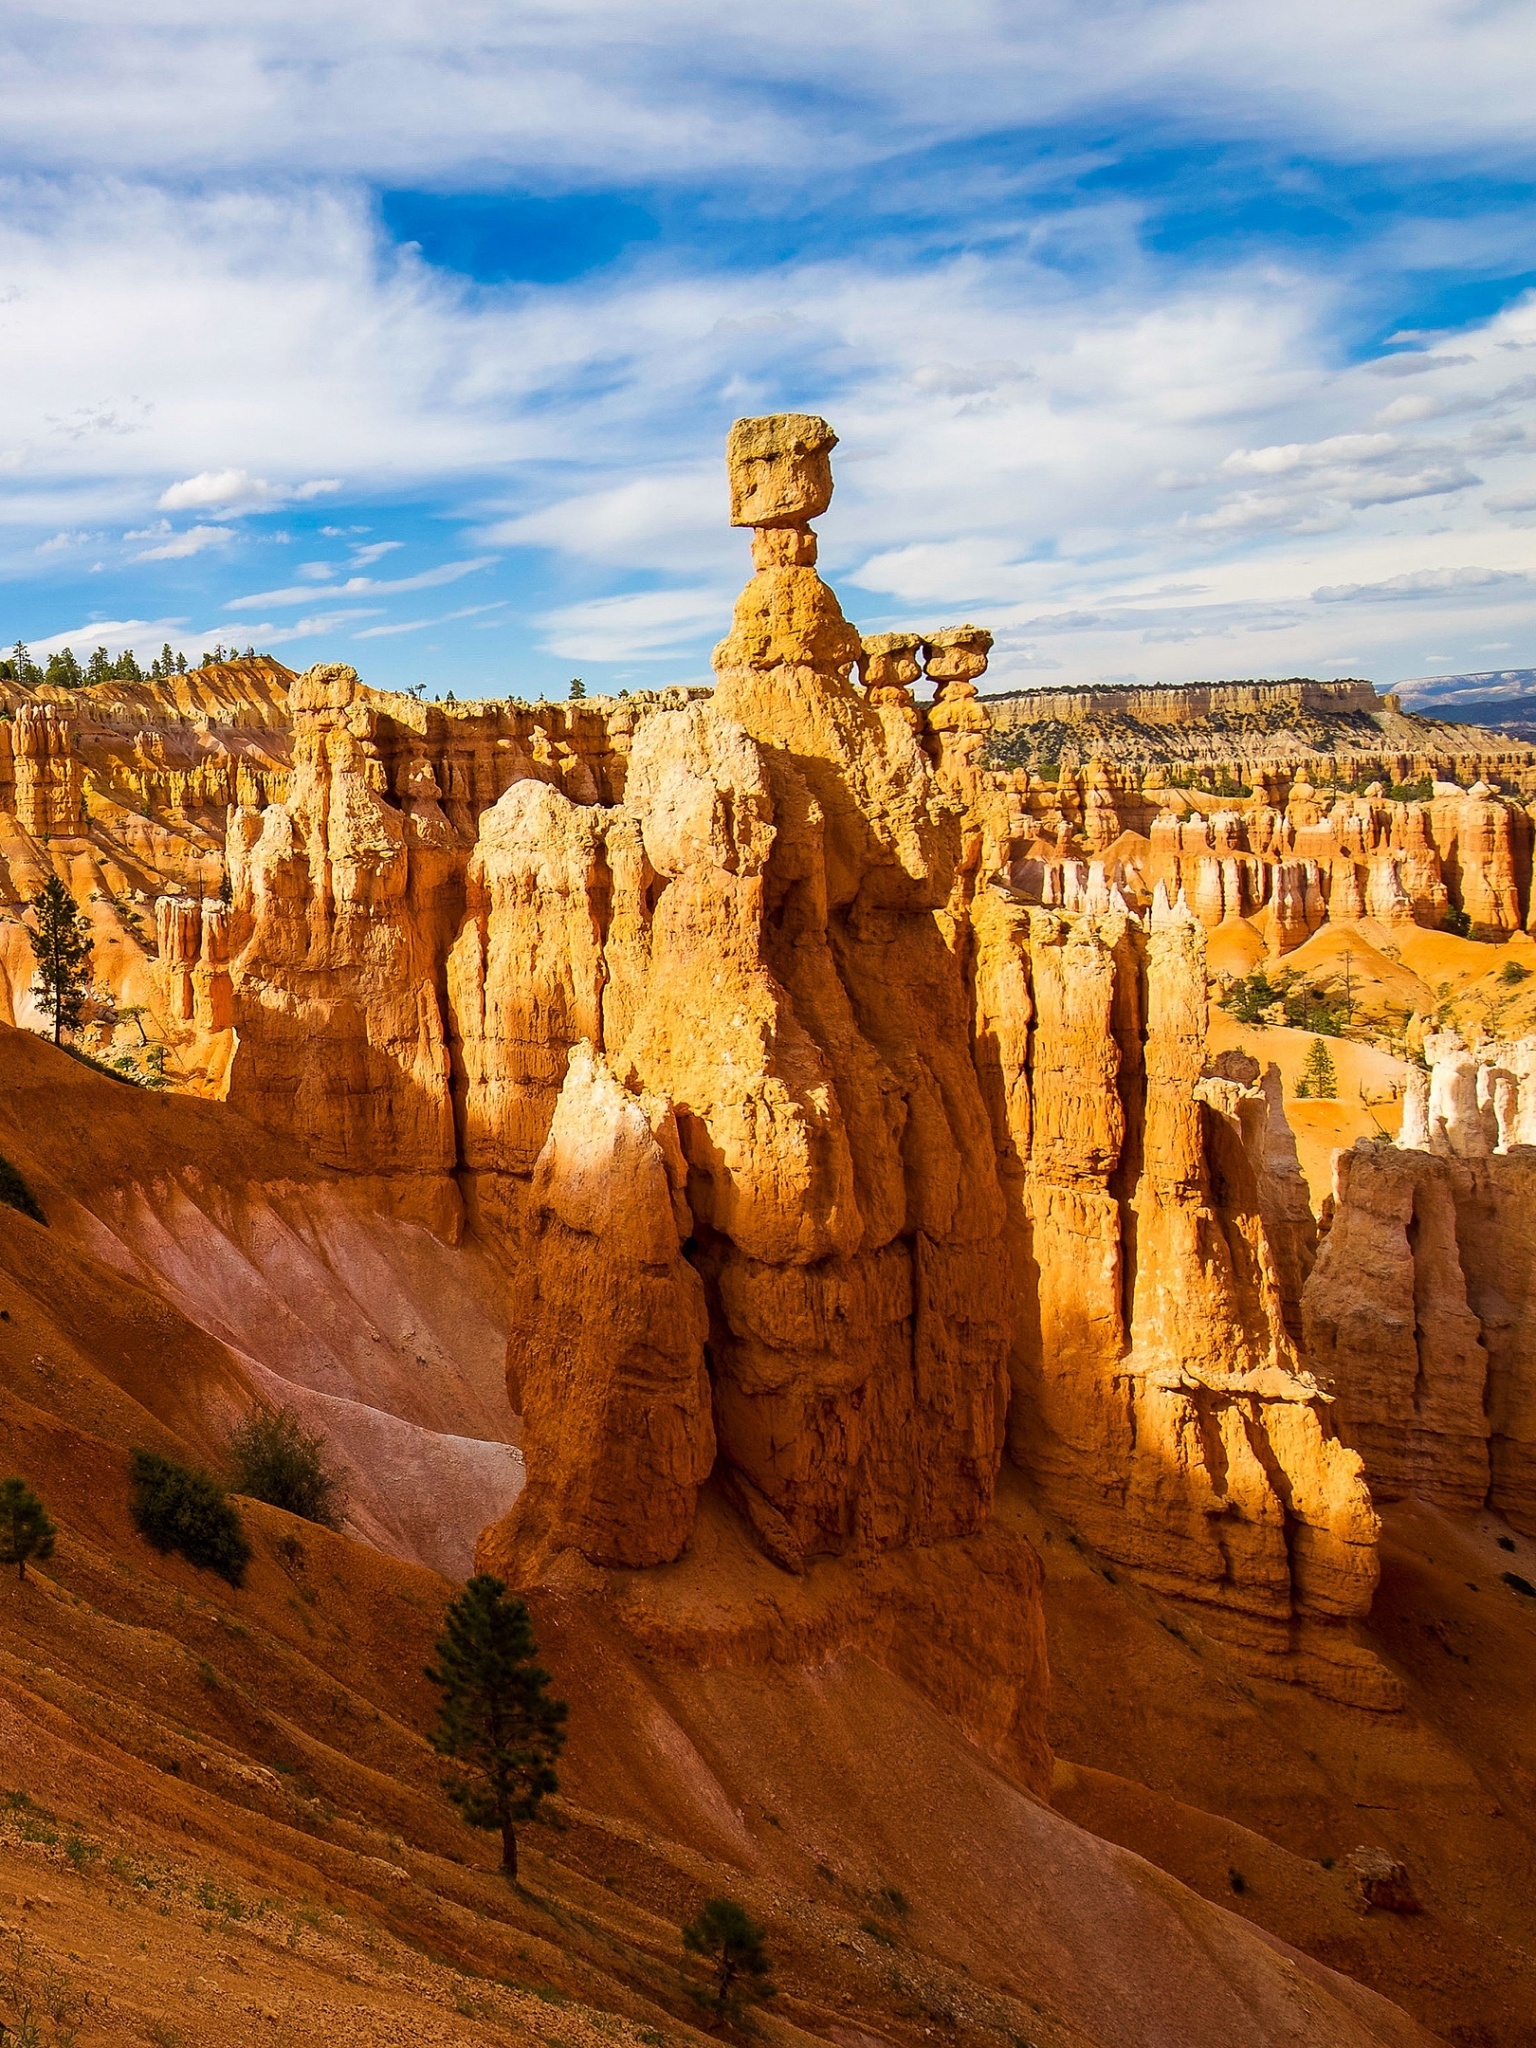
[1168, 340]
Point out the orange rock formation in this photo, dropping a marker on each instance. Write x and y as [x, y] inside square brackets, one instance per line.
[820, 1136]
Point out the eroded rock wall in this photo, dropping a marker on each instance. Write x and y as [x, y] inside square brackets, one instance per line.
[1420, 1314]
[1160, 1405]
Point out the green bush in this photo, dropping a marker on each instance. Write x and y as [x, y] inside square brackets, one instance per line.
[15, 1193]
[1456, 920]
[181, 1507]
[1512, 973]
[25, 1530]
[277, 1461]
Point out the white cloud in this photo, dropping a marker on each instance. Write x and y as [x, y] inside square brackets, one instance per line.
[177, 547]
[236, 490]
[1351, 450]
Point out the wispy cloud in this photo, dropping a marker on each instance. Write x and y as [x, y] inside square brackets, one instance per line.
[648, 626]
[473, 611]
[171, 546]
[306, 593]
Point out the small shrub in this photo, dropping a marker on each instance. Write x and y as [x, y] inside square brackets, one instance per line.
[182, 1508]
[1512, 973]
[15, 1193]
[276, 1460]
[1456, 920]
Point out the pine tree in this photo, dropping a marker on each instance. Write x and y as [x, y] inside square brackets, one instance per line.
[25, 1530]
[99, 668]
[1319, 1080]
[181, 664]
[63, 671]
[726, 1935]
[497, 1718]
[25, 668]
[578, 687]
[61, 944]
[166, 665]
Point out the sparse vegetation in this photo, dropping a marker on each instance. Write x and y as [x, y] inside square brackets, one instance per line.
[15, 1193]
[1319, 1080]
[1512, 973]
[40, 2006]
[1456, 920]
[497, 1719]
[1285, 997]
[727, 1937]
[276, 1460]
[26, 1533]
[185, 1509]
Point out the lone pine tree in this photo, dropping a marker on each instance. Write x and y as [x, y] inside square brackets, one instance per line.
[497, 1718]
[727, 1936]
[25, 1530]
[61, 944]
[1319, 1081]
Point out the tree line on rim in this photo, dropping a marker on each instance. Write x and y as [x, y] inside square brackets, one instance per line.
[64, 671]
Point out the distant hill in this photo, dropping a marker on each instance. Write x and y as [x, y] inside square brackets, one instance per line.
[1502, 699]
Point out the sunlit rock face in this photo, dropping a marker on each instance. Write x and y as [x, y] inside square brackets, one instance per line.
[821, 1167]
[750, 946]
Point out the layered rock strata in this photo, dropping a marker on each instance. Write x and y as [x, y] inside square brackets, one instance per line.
[1258, 728]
